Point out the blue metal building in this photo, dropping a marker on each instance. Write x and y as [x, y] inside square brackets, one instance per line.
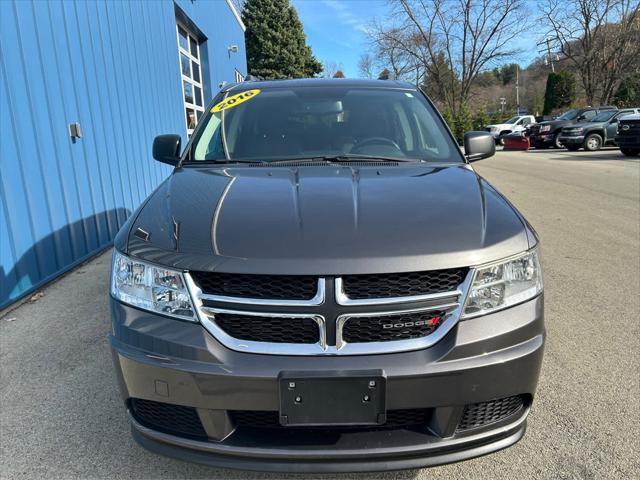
[85, 87]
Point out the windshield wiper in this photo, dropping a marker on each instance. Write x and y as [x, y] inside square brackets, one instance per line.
[345, 158]
[226, 161]
[365, 158]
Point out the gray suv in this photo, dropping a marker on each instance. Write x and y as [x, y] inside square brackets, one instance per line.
[325, 284]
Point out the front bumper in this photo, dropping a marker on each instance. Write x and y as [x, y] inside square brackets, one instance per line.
[628, 141]
[571, 139]
[542, 139]
[180, 363]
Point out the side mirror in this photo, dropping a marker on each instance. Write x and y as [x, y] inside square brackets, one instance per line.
[166, 148]
[479, 145]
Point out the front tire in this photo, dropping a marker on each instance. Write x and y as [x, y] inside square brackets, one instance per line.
[630, 152]
[593, 142]
[556, 141]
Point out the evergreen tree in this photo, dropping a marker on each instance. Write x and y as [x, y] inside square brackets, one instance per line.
[448, 118]
[462, 123]
[481, 119]
[628, 94]
[275, 41]
[560, 91]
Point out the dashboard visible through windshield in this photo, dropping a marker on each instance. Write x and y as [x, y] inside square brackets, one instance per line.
[310, 122]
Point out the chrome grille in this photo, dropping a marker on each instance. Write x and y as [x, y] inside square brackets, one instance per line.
[403, 318]
[275, 287]
[397, 326]
[269, 329]
[409, 284]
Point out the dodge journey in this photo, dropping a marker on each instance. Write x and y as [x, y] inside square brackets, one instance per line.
[324, 283]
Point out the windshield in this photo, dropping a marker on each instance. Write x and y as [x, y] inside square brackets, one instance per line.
[604, 116]
[512, 120]
[309, 122]
[570, 115]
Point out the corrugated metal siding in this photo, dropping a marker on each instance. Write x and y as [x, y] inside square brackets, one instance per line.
[113, 67]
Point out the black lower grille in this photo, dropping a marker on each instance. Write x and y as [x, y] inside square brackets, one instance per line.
[408, 284]
[167, 418]
[386, 328]
[271, 287]
[269, 329]
[480, 414]
[269, 419]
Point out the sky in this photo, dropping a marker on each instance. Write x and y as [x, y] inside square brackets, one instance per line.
[336, 30]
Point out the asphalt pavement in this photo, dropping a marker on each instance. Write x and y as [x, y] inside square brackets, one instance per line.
[61, 415]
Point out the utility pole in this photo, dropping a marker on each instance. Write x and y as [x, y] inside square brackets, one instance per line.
[548, 59]
[517, 89]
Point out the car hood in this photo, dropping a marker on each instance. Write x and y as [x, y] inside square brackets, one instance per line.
[328, 220]
[555, 123]
[501, 125]
[587, 125]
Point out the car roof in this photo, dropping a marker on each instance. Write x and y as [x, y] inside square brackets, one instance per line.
[319, 82]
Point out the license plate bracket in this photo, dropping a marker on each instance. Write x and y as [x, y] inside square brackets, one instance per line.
[332, 398]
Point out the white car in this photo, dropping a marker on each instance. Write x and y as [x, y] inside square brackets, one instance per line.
[516, 124]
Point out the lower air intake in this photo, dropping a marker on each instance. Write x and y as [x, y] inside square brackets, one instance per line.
[167, 418]
[478, 415]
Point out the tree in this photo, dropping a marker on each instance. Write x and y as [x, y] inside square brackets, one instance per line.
[481, 119]
[560, 91]
[452, 42]
[628, 94]
[463, 122]
[506, 73]
[275, 42]
[599, 38]
[385, 74]
[366, 65]
[339, 74]
[330, 68]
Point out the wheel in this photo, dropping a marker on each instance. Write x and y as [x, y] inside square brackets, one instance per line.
[630, 152]
[556, 141]
[572, 148]
[593, 142]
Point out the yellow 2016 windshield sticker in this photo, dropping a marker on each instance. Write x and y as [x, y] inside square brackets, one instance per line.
[235, 100]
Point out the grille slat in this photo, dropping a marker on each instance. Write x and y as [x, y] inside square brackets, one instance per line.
[390, 285]
[386, 328]
[168, 418]
[269, 419]
[269, 329]
[272, 287]
[480, 414]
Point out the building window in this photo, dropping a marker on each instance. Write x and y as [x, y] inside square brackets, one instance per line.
[239, 77]
[192, 93]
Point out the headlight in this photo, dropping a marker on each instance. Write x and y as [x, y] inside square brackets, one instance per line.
[150, 287]
[545, 128]
[501, 285]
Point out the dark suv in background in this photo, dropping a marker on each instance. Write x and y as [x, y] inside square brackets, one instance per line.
[595, 134]
[324, 283]
[628, 137]
[547, 134]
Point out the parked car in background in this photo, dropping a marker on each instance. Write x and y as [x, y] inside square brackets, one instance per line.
[594, 134]
[547, 134]
[628, 137]
[519, 123]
